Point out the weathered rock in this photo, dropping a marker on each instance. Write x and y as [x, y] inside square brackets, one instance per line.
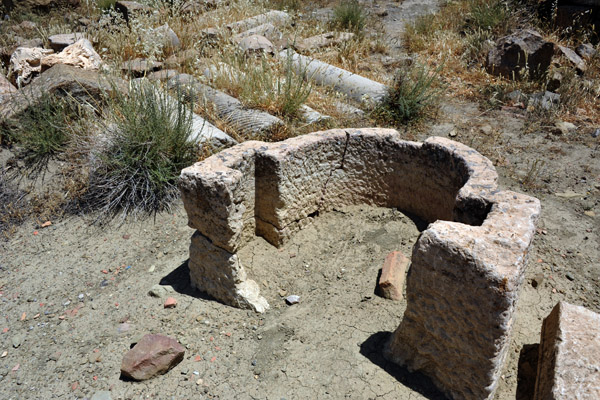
[59, 42]
[586, 51]
[80, 54]
[79, 84]
[187, 57]
[166, 37]
[545, 100]
[572, 57]
[391, 281]
[170, 302]
[523, 49]
[25, 64]
[324, 40]
[569, 355]
[131, 9]
[474, 254]
[245, 121]
[274, 17]
[151, 356]
[139, 67]
[564, 128]
[162, 75]
[256, 44]
[267, 30]
[6, 88]
[7, 51]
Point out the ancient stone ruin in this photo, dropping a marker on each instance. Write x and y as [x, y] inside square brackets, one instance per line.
[467, 266]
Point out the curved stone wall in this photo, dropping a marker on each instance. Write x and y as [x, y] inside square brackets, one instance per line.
[467, 266]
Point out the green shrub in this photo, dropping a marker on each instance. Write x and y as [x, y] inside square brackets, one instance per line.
[488, 15]
[349, 15]
[106, 4]
[43, 131]
[414, 91]
[137, 170]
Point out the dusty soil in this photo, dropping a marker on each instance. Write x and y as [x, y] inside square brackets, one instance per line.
[73, 298]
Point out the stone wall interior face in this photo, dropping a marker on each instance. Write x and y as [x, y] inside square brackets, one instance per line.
[467, 266]
[569, 355]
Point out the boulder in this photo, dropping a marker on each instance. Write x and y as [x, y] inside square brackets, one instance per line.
[256, 44]
[59, 42]
[569, 354]
[80, 54]
[25, 64]
[79, 84]
[167, 37]
[151, 356]
[523, 49]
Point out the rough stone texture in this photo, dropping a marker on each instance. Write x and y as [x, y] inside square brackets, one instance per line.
[166, 36]
[152, 355]
[267, 30]
[80, 54]
[25, 64]
[139, 67]
[569, 356]
[461, 293]
[273, 17]
[586, 50]
[6, 52]
[60, 80]
[246, 122]
[392, 275]
[514, 52]
[6, 88]
[324, 40]
[572, 56]
[256, 44]
[59, 42]
[467, 266]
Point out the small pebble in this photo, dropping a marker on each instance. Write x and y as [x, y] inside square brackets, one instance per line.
[170, 302]
[66, 303]
[596, 133]
[152, 268]
[80, 297]
[570, 276]
[292, 299]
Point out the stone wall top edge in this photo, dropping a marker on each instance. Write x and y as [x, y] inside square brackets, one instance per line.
[499, 245]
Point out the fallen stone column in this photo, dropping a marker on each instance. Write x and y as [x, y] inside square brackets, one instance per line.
[569, 355]
[246, 122]
[356, 87]
[273, 17]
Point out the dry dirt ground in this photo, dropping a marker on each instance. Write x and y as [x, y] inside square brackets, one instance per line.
[73, 297]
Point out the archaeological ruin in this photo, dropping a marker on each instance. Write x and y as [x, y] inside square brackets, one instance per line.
[467, 266]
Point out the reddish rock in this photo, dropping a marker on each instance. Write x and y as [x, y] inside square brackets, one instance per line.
[170, 302]
[392, 275]
[151, 356]
[569, 355]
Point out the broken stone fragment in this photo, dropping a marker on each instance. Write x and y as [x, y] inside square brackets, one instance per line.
[139, 67]
[256, 44]
[152, 355]
[569, 355]
[391, 281]
[572, 57]
[585, 51]
[516, 52]
[324, 40]
[80, 54]
[25, 64]
[59, 42]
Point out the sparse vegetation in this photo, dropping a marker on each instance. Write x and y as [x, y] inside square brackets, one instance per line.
[350, 15]
[415, 90]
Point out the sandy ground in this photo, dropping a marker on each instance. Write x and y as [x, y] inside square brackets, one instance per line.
[74, 298]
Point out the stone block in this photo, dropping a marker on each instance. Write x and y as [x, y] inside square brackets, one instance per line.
[569, 355]
[391, 280]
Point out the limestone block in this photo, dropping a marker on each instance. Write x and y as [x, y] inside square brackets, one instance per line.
[462, 291]
[218, 195]
[267, 30]
[221, 274]
[25, 64]
[274, 17]
[569, 355]
[324, 40]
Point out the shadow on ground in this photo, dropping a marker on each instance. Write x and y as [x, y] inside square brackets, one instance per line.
[179, 279]
[372, 349]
